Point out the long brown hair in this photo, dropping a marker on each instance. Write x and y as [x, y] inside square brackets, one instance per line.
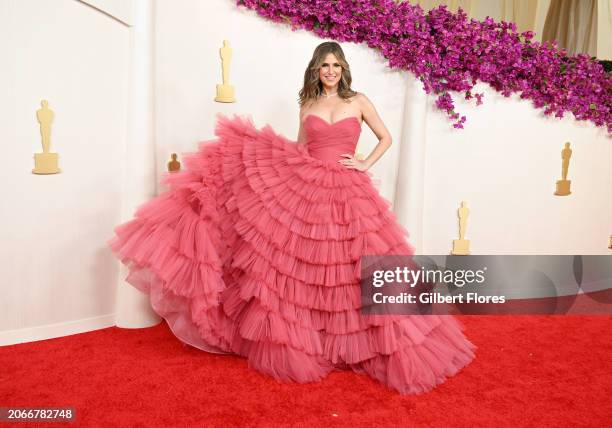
[313, 87]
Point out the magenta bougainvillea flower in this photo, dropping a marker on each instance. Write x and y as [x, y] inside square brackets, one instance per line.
[448, 53]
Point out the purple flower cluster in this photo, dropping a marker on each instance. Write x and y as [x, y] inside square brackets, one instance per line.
[449, 52]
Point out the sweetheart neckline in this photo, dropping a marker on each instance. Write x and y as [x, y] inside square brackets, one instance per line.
[333, 123]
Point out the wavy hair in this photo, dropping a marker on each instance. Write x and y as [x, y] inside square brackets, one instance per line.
[313, 87]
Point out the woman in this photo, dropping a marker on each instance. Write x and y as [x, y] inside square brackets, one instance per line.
[256, 248]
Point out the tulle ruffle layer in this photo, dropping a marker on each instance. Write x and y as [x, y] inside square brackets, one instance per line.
[255, 250]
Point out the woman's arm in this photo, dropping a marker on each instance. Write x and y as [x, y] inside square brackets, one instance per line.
[301, 139]
[373, 120]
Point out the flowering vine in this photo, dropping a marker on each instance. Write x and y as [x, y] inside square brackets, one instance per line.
[448, 52]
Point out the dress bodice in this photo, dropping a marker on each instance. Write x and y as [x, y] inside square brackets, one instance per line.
[328, 141]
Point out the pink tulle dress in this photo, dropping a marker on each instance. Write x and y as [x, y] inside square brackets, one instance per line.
[254, 250]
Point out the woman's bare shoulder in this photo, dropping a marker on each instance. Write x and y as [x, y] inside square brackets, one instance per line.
[360, 97]
[306, 109]
[308, 104]
[362, 102]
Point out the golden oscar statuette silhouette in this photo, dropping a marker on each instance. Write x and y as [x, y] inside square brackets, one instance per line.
[610, 243]
[461, 246]
[173, 164]
[563, 185]
[45, 162]
[225, 91]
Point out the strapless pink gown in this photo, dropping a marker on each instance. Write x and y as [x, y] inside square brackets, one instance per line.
[255, 250]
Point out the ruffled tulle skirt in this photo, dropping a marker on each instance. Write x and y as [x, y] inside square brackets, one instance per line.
[255, 250]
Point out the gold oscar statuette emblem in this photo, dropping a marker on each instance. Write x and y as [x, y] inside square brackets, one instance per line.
[173, 164]
[225, 91]
[461, 246]
[563, 185]
[610, 243]
[45, 162]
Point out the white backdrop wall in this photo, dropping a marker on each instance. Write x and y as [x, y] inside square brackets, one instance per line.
[56, 267]
[505, 163]
[57, 276]
[267, 70]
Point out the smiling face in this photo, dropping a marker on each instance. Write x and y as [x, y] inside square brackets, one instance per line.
[327, 71]
[330, 71]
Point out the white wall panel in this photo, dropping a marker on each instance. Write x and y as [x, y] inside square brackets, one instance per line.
[55, 268]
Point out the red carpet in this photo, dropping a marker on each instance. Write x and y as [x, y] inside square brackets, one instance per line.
[528, 371]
